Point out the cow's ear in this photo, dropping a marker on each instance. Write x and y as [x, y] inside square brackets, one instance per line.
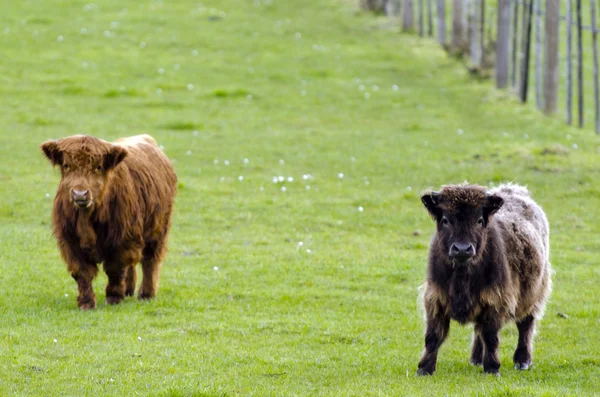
[52, 152]
[431, 201]
[114, 157]
[492, 204]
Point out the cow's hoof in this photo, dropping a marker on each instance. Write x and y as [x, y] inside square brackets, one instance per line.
[86, 303]
[145, 297]
[87, 306]
[476, 362]
[424, 372]
[522, 366]
[113, 300]
[130, 292]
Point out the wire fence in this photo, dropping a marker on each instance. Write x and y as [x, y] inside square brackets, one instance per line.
[508, 37]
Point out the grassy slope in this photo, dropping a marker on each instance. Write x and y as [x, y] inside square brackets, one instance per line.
[274, 319]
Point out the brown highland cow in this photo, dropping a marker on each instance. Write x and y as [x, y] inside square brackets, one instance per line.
[488, 264]
[113, 205]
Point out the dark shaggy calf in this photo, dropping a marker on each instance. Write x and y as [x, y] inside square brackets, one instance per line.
[113, 205]
[488, 264]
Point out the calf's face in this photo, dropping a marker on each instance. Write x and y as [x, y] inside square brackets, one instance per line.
[462, 219]
[86, 165]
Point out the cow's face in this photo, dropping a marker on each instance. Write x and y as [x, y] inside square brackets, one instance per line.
[461, 224]
[86, 165]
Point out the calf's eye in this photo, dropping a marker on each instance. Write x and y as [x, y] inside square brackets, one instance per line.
[444, 222]
[481, 221]
[99, 168]
[65, 166]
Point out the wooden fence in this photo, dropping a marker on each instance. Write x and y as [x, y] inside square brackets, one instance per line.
[497, 35]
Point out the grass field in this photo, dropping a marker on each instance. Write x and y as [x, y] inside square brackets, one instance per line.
[269, 291]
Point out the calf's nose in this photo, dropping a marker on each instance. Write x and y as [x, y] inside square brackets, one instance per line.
[80, 195]
[462, 250]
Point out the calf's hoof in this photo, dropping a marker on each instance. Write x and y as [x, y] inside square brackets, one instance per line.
[476, 362]
[113, 300]
[523, 366]
[522, 359]
[424, 372]
[492, 371]
[130, 292]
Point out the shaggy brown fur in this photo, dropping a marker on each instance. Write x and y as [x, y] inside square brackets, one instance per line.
[113, 205]
[488, 264]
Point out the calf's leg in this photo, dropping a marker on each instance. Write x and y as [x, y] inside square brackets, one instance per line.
[476, 349]
[522, 357]
[489, 327]
[436, 333]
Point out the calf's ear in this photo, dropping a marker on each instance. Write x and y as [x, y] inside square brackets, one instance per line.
[114, 157]
[52, 152]
[492, 204]
[431, 201]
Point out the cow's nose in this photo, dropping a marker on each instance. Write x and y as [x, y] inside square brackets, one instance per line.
[80, 196]
[462, 251]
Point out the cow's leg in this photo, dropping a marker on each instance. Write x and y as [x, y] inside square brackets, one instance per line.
[152, 256]
[522, 357]
[117, 267]
[477, 348]
[130, 281]
[115, 289]
[437, 330]
[489, 325]
[84, 275]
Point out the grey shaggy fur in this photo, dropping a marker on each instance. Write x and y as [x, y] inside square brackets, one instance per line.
[504, 275]
[526, 235]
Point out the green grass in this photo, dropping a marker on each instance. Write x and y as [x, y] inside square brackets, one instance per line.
[282, 84]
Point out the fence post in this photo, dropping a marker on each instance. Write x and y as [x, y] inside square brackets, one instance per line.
[459, 29]
[476, 53]
[551, 58]
[468, 14]
[515, 42]
[441, 10]
[421, 15]
[579, 64]
[537, 10]
[569, 61]
[429, 18]
[407, 15]
[482, 32]
[595, 50]
[392, 8]
[527, 14]
[503, 43]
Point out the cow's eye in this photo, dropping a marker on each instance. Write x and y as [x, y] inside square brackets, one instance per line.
[445, 222]
[99, 168]
[481, 221]
[65, 166]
